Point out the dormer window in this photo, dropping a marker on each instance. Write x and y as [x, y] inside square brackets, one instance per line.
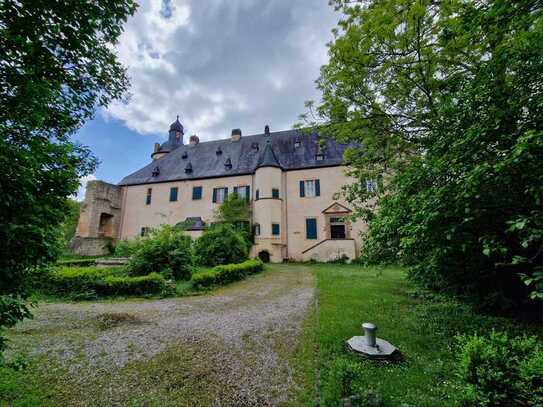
[219, 151]
[254, 146]
[156, 172]
[228, 164]
[319, 157]
[185, 155]
[188, 168]
[297, 144]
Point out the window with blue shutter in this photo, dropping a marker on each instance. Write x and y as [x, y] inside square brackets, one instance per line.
[276, 231]
[236, 191]
[219, 194]
[302, 189]
[317, 187]
[149, 196]
[257, 194]
[275, 193]
[173, 194]
[196, 193]
[311, 228]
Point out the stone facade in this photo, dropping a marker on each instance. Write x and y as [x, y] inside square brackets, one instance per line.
[99, 219]
[293, 190]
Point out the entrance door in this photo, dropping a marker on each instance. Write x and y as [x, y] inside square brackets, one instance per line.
[337, 228]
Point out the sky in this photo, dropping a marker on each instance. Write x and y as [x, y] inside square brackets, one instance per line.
[218, 64]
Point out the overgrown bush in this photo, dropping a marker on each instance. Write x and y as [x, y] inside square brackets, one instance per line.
[126, 248]
[225, 274]
[167, 251]
[221, 244]
[501, 371]
[101, 281]
[76, 262]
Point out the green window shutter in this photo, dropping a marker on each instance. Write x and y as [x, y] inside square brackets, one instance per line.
[225, 193]
[214, 195]
[311, 228]
[173, 194]
[302, 189]
[248, 197]
[257, 194]
[317, 187]
[196, 193]
[236, 190]
[275, 229]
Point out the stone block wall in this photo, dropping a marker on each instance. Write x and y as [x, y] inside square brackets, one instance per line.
[99, 219]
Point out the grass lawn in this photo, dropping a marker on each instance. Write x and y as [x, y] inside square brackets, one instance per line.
[423, 327]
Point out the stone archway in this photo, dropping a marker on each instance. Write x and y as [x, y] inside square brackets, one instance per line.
[264, 255]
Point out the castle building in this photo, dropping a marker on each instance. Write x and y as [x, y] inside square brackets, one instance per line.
[290, 179]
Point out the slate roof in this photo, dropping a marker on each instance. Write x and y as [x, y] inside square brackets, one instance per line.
[268, 158]
[208, 159]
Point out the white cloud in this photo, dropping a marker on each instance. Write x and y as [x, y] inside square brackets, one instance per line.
[221, 64]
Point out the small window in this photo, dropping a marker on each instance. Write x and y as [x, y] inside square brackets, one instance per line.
[275, 193]
[311, 228]
[219, 195]
[297, 144]
[257, 194]
[276, 231]
[144, 231]
[256, 228]
[243, 192]
[310, 188]
[371, 185]
[173, 194]
[319, 157]
[149, 196]
[196, 193]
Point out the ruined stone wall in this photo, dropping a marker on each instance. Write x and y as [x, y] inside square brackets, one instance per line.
[99, 219]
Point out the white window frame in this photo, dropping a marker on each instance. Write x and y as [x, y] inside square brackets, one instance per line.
[221, 195]
[310, 192]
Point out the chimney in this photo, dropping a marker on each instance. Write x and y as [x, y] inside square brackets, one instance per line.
[236, 134]
[267, 130]
[156, 148]
[193, 140]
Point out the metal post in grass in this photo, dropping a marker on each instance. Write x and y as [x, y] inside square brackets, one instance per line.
[370, 346]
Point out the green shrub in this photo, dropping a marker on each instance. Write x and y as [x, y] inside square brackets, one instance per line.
[501, 371]
[227, 273]
[88, 281]
[150, 284]
[126, 248]
[76, 262]
[221, 244]
[167, 250]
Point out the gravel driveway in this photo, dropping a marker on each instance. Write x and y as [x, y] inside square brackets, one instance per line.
[232, 347]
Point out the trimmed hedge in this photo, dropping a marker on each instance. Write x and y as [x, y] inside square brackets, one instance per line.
[102, 281]
[76, 262]
[228, 273]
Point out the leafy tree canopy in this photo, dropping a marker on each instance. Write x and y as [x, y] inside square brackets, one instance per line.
[445, 101]
[57, 66]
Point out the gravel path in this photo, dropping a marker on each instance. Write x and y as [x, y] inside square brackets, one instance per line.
[232, 347]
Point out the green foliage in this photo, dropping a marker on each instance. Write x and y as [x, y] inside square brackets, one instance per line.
[166, 250]
[501, 371]
[236, 211]
[76, 262]
[12, 309]
[445, 101]
[221, 244]
[57, 65]
[101, 282]
[228, 273]
[70, 223]
[127, 248]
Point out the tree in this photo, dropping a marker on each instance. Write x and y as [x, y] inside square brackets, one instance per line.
[69, 226]
[56, 67]
[235, 210]
[446, 102]
[221, 244]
